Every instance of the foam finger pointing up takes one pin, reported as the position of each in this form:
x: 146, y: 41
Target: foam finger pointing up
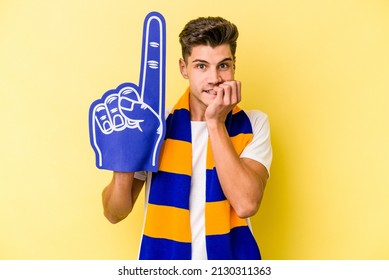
x: 152, y: 76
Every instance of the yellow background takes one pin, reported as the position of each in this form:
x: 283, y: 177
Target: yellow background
x: 319, y: 69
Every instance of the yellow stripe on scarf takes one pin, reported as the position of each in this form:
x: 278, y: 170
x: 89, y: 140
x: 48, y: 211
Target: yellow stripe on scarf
x: 174, y: 218
x: 177, y: 161
x: 217, y: 223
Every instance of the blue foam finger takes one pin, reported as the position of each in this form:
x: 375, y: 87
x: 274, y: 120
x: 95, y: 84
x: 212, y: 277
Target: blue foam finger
x: 127, y: 126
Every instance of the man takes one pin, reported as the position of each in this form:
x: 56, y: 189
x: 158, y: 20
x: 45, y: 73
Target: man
x: 214, y: 163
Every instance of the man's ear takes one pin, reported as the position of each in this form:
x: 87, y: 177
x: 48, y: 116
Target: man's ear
x: 182, y: 66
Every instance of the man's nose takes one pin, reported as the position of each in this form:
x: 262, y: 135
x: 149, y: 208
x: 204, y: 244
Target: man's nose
x: 214, y: 77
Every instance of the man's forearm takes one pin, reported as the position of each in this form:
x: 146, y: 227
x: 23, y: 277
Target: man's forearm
x: 117, y: 197
x: 240, y: 179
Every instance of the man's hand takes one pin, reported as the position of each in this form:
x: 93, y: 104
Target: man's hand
x: 127, y: 124
x: 228, y: 94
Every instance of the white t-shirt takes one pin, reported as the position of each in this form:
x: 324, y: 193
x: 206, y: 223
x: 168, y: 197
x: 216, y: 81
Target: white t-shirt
x: 259, y: 150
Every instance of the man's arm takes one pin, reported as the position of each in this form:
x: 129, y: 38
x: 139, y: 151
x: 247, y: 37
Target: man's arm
x: 120, y: 195
x: 243, y: 180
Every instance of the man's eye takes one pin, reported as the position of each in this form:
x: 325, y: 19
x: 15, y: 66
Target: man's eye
x: 201, y: 66
x: 224, y: 66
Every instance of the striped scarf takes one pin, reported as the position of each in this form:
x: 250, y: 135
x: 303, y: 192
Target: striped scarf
x: 167, y: 232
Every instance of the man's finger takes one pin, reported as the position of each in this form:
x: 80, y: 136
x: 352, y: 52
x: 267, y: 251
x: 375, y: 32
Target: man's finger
x: 219, y: 95
x: 152, y: 75
x: 239, y: 90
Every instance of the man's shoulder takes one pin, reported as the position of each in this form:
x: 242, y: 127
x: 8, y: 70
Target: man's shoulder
x: 256, y: 116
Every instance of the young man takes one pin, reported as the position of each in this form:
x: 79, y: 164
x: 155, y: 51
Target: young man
x: 214, y: 163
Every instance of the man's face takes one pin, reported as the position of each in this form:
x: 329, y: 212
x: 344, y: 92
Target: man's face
x: 206, y: 68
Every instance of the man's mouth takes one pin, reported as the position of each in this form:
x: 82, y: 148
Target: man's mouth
x: 210, y: 91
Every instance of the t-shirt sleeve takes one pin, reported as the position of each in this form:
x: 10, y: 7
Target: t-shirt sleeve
x: 260, y: 148
x: 140, y: 175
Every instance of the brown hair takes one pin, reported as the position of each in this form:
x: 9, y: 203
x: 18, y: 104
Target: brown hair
x: 211, y: 31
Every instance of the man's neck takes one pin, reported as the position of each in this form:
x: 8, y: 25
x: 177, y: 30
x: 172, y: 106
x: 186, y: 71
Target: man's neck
x: 197, y: 112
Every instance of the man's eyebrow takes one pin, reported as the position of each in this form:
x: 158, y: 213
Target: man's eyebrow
x: 200, y: 60
x: 204, y: 61
x: 227, y: 59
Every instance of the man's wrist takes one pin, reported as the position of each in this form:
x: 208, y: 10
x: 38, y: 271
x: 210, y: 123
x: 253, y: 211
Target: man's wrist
x: 215, y: 126
x: 123, y: 178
